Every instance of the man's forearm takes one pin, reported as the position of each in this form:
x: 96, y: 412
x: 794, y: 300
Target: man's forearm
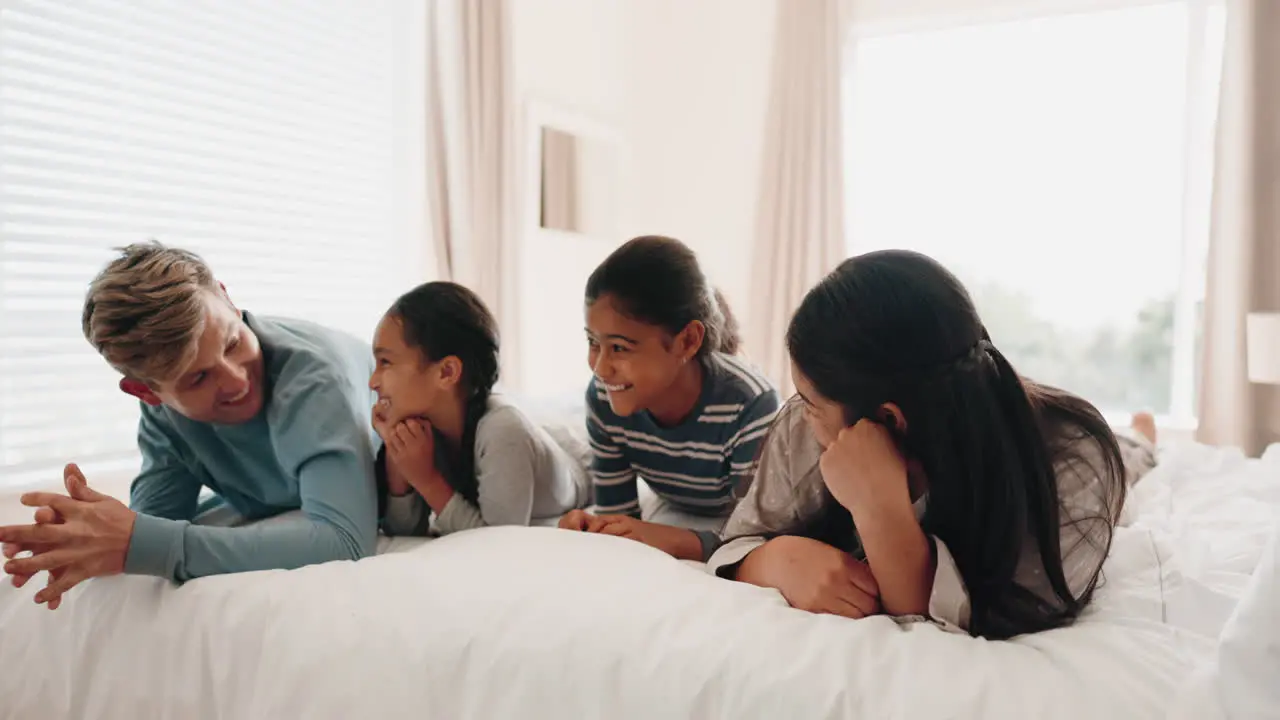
x: 180, y: 551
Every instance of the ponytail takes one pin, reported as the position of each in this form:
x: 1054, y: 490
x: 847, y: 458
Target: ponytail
x: 729, y: 341
x: 994, y: 487
x: 896, y: 327
x: 1002, y: 607
x: 1012, y: 396
x: 467, y: 484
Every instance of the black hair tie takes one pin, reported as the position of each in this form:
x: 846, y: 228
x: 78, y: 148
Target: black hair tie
x: 971, y: 355
x: 970, y: 358
x: 981, y: 348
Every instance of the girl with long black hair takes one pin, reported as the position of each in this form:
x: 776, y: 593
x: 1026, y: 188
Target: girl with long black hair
x: 917, y: 474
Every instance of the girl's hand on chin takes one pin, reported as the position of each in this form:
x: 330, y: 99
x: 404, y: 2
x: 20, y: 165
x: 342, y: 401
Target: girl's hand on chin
x: 864, y: 466
x: 411, y: 446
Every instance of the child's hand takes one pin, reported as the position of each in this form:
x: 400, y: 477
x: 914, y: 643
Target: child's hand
x: 864, y: 466
x: 677, y: 542
x: 411, y: 448
x: 625, y: 526
x: 813, y: 576
x: 582, y: 521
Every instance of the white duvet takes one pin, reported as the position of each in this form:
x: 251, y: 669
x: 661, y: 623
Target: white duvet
x: 542, y: 623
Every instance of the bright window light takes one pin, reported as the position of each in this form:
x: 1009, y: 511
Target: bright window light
x: 1057, y: 165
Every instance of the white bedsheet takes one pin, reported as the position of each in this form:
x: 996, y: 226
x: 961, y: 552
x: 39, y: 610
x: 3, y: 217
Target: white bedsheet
x: 534, y: 623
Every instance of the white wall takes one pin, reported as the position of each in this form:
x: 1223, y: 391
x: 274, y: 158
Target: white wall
x: 683, y: 85
x: 568, y: 54
x: 698, y: 75
x: 570, y: 51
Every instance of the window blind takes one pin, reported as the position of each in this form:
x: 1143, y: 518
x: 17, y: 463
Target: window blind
x: 270, y: 137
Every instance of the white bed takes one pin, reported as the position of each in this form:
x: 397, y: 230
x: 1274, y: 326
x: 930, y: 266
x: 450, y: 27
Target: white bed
x: 541, y: 623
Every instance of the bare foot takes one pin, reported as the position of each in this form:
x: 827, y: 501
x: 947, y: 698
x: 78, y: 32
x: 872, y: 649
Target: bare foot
x: 1145, y: 425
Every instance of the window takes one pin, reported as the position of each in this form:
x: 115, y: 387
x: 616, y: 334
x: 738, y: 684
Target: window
x: 276, y: 139
x: 1060, y: 166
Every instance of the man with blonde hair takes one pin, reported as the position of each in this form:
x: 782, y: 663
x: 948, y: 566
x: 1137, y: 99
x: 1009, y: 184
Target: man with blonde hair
x: 270, y: 414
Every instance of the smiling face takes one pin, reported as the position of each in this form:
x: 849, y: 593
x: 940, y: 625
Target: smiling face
x: 635, y: 362
x: 407, y: 383
x: 222, y: 381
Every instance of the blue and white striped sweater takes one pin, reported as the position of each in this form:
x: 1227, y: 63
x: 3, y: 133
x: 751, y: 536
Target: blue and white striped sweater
x: 701, y: 466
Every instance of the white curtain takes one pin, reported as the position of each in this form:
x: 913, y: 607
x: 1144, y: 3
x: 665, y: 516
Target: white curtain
x: 1244, y: 252
x: 471, y: 170
x: 800, y: 215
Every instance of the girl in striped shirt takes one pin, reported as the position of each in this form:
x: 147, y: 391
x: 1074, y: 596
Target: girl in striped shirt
x: 670, y: 403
